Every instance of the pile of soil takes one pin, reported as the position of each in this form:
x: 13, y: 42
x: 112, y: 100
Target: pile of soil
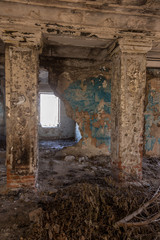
x: 89, y: 209
x: 80, y: 201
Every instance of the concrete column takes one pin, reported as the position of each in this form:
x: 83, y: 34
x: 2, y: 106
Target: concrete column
x: 128, y: 93
x: 21, y: 72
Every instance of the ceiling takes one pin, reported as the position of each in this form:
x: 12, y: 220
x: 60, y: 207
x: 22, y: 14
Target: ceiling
x: 84, y: 48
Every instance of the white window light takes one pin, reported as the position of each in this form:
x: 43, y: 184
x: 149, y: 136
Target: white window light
x: 49, y: 110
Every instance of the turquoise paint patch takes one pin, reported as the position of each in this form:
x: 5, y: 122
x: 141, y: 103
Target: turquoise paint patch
x: 150, y: 144
x: 152, y: 107
x: 153, y: 101
x: 106, y: 141
x: 88, y: 99
x: 107, y: 109
x: 85, y: 100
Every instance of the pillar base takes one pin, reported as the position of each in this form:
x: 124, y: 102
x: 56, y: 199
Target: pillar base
x: 20, y: 181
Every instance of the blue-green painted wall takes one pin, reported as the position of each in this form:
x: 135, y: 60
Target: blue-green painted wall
x: 152, y: 114
x: 90, y: 100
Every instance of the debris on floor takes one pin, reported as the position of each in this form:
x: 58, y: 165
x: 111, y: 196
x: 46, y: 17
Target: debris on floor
x: 79, y: 200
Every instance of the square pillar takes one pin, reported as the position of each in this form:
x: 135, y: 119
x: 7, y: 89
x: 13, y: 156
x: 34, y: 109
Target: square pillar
x: 21, y: 72
x: 127, y: 104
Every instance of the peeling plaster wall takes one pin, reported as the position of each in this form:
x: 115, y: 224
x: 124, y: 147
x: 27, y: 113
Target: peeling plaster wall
x: 86, y: 93
x: 90, y: 100
x: 152, y: 114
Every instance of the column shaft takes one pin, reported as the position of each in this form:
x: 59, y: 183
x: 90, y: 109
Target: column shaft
x: 128, y: 93
x: 21, y: 71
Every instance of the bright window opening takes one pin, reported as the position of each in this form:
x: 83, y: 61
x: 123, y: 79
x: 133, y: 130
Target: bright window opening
x: 49, y: 110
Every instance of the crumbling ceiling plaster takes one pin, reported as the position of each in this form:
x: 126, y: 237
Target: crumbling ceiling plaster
x: 79, y: 29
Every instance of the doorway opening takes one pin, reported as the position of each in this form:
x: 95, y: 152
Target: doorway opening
x: 55, y: 129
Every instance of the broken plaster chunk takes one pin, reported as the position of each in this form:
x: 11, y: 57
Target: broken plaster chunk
x: 69, y: 158
x: 60, y: 154
x: 21, y: 100
x: 83, y: 159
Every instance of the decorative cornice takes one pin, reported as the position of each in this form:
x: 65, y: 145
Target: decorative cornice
x: 82, y: 18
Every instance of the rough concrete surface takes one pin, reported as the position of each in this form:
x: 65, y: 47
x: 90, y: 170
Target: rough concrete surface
x: 128, y: 94
x: 21, y: 115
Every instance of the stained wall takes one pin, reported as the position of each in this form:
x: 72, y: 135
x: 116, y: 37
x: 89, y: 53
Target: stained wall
x: 152, y: 114
x: 87, y: 98
x: 90, y: 100
x: 90, y: 103
x: 86, y: 93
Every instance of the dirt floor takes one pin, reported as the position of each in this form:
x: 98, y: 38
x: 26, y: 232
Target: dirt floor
x: 78, y: 199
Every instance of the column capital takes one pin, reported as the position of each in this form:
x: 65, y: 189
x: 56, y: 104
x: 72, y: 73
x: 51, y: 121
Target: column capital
x: 131, y: 45
x: 22, y: 38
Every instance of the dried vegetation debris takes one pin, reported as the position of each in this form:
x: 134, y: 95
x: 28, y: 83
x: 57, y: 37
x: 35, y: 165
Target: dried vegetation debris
x: 85, y: 211
x: 87, y: 207
x: 88, y: 210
